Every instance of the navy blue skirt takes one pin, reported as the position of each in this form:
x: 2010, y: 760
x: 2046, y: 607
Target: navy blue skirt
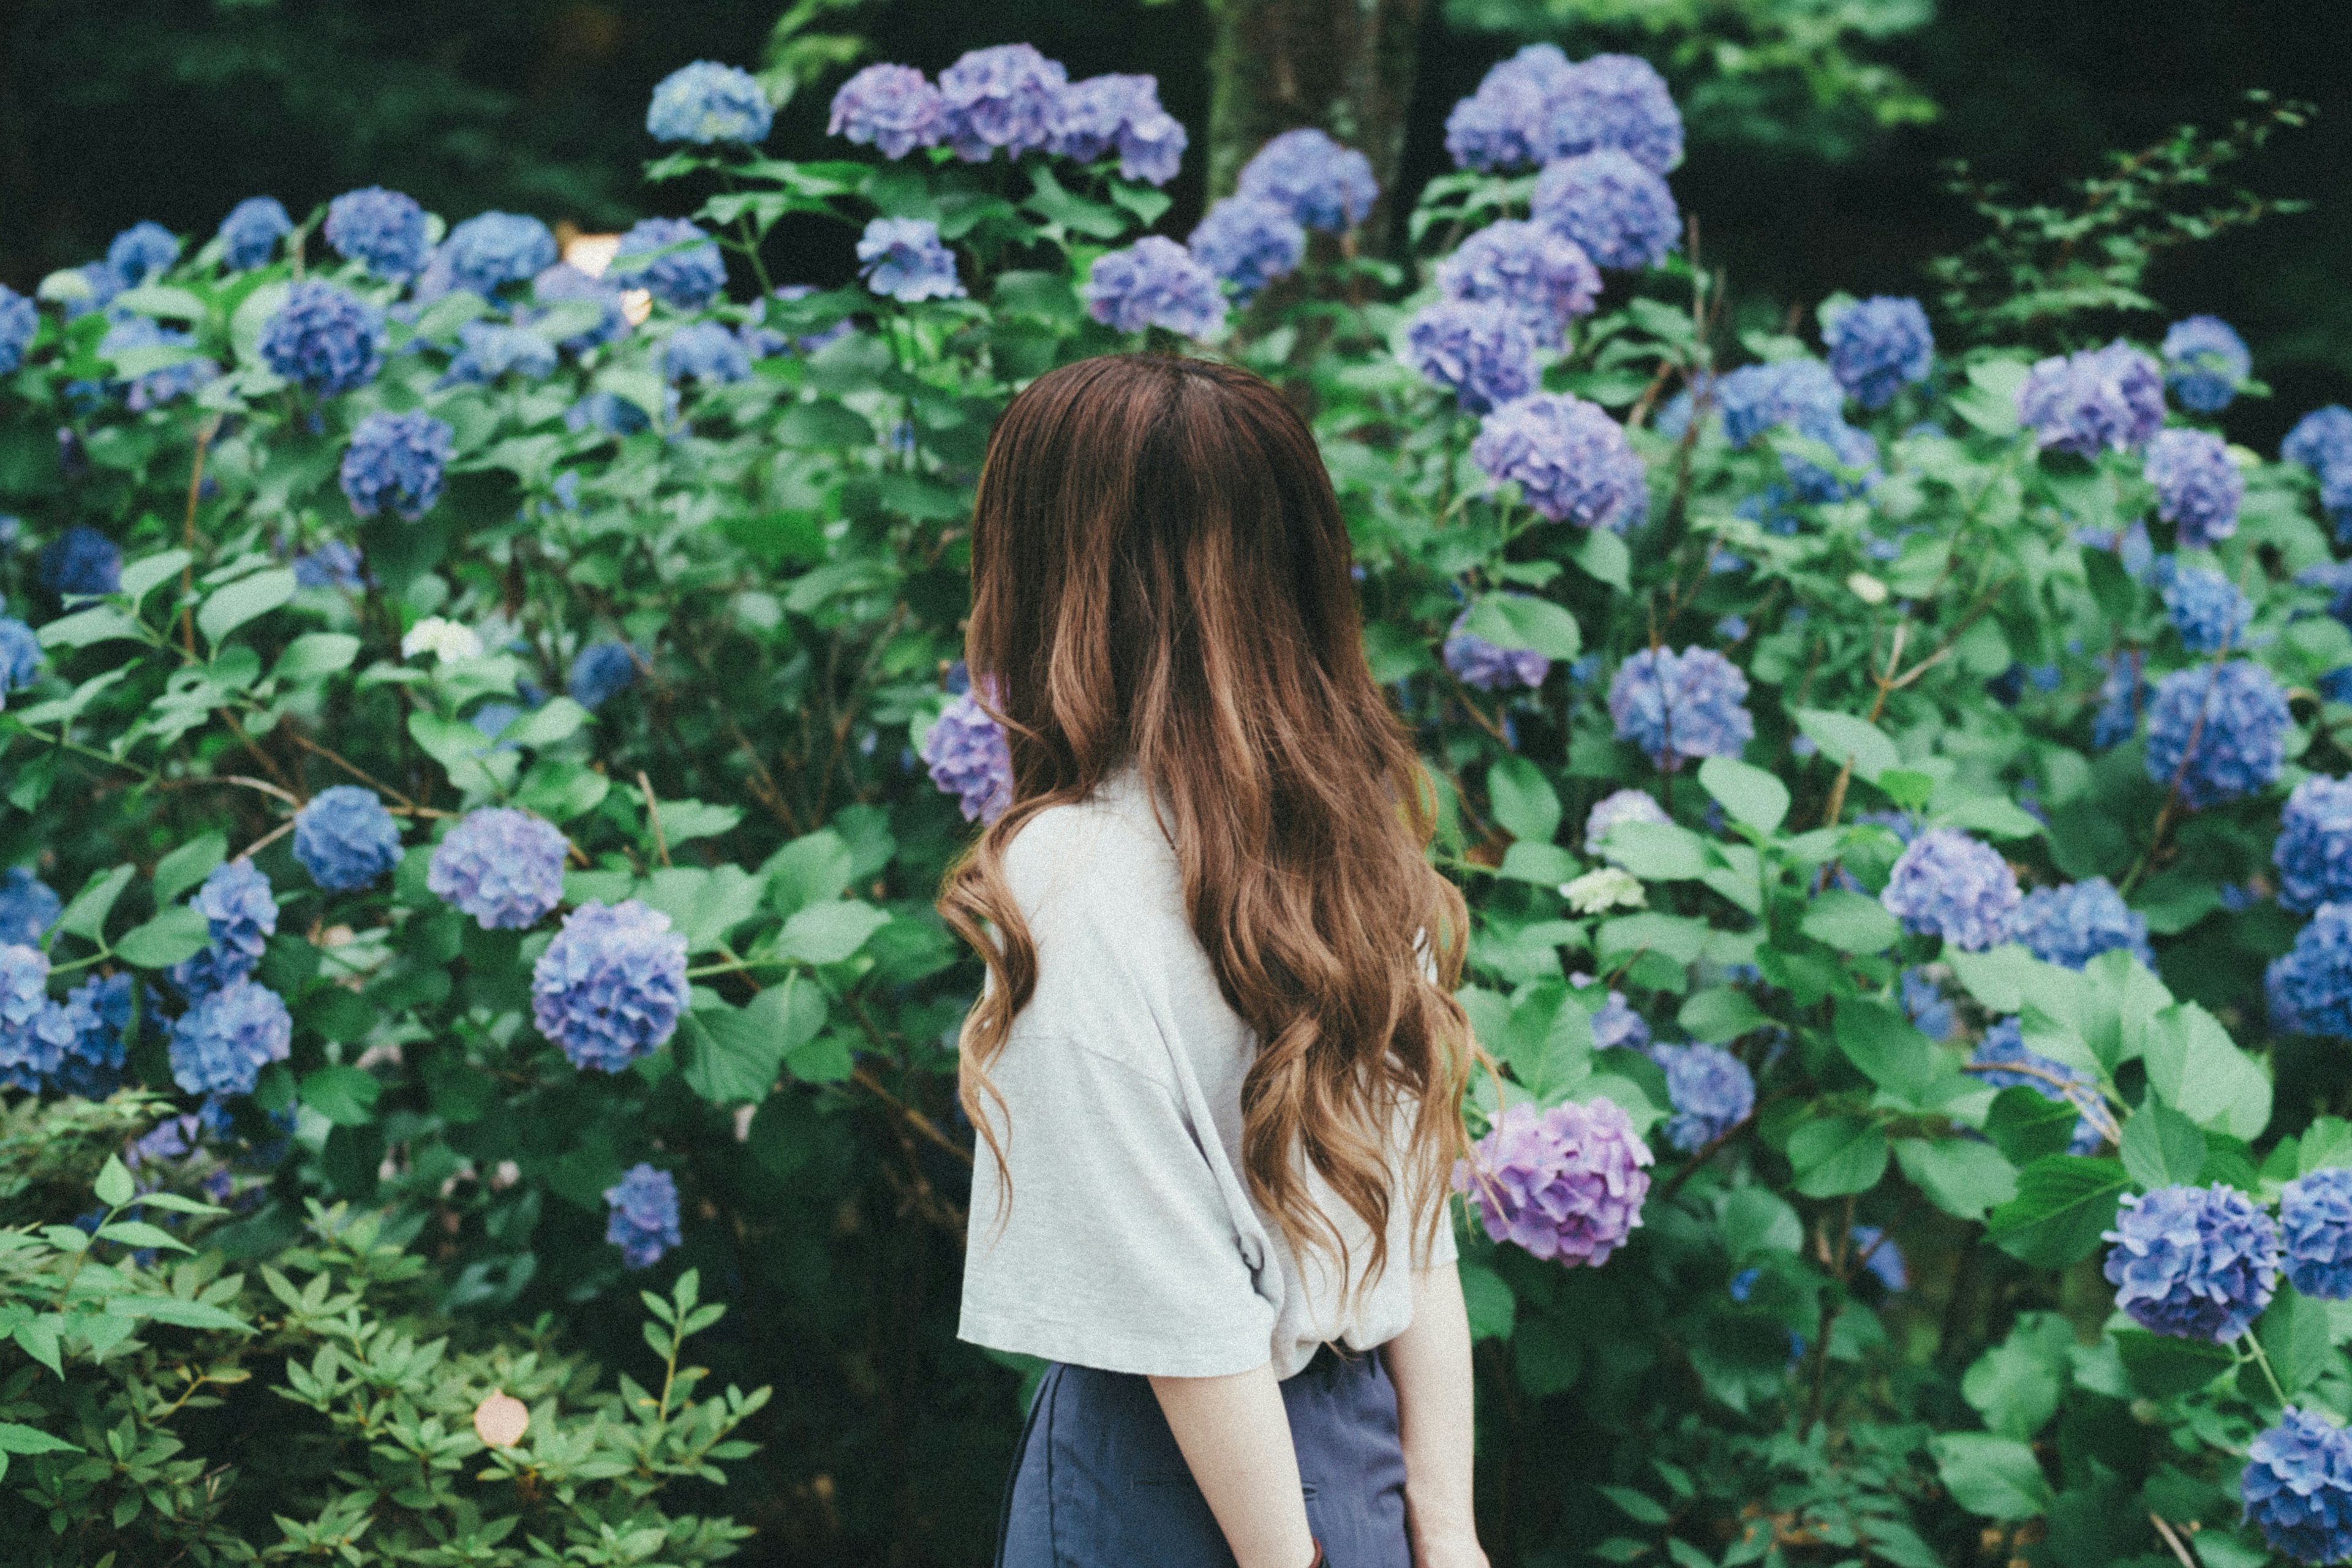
x: 1100, y: 1483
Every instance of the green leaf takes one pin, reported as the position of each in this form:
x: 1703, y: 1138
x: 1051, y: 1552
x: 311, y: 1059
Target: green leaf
x: 1637, y: 1506
x: 2001, y: 978
x: 1720, y: 1013
x: 2063, y: 1203
x: 2193, y: 1067
x: 825, y: 425
x: 731, y: 1058
x: 2294, y: 1330
x: 1523, y: 621
x: 244, y: 600
x: 1878, y: 1039
x: 1748, y: 794
x: 86, y: 628
x: 345, y: 1096
x: 552, y: 721
x: 1851, y: 923
x: 1658, y: 851
x: 2162, y: 1148
x: 1960, y: 1176
x: 1524, y: 802
x: 188, y: 865
x: 1838, y: 1154
x: 138, y: 1233
x: 178, y: 933
x: 686, y: 820
x: 1993, y: 817
x: 178, y: 1313
x: 1841, y: 736
x: 2025, y: 1124
x: 829, y: 932
x: 2161, y: 1365
x: 114, y: 1186
x: 1603, y: 556
x: 1990, y: 1476
x: 1546, y: 865
x: 810, y: 869
x: 140, y: 577
x: 37, y: 1337
x: 314, y: 655
x: 1675, y: 936
x: 86, y: 916
x: 1073, y: 213
x: 2016, y: 1385
x: 2325, y: 1143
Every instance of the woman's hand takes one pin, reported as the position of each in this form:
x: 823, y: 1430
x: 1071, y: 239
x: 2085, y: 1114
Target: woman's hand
x: 1458, y: 1549
x: 1430, y: 1364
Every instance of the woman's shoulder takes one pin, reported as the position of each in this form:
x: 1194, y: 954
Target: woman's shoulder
x: 1100, y: 854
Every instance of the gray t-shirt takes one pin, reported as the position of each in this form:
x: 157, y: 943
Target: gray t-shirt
x: 1131, y: 1243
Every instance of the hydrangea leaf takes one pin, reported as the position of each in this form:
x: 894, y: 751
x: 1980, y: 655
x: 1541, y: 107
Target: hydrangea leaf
x: 245, y: 599
x: 1546, y: 865
x: 140, y: 577
x: 86, y: 916
x: 729, y: 1057
x: 829, y: 932
x: 2325, y: 1143
x: 1677, y: 937
x: 1748, y: 794
x: 1841, y: 736
x: 1658, y: 852
x: 2016, y: 1385
x: 87, y: 628
x: 1523, y: 621
x: 1991, y: 1475
x: 1604, y: 557
x: 1838, y: 1154
x: 2193, y: 1067
x: 1523, y: 799
x: 178, y: 933
x: 1491, y: 1305
x: 2162, y: 1148
x: 315, y: 654
x: 188, y: 865
x: 345, y: 1095
x: 1719, y: 1014
x: 1960, y: 1176
x: 1758, y: 1220
x: 2063, y: 1202
x: 2161, y: 1365
x: 1850, y: 922
x: 1882, y: 1043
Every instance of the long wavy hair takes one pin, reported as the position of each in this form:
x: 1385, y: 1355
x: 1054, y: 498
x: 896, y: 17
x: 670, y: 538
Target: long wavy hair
x: 1161, y: 575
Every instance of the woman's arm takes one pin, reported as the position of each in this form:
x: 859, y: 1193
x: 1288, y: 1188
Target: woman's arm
x: 1430, y: 1363
x: 1236, y: 1437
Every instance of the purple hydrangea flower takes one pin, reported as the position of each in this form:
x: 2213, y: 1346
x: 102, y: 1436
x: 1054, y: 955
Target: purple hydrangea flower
x: 1615, y: 1025
x: 2074, y: 922
x: 1569, y: 459
x: 346, y: 838
x: 1537, y: 271
x: 489, y: 349
x: 1878, y: 345
x: 1104, y: 113
x: 2206, y: 608
x: 2198, y: 1263
x: 685, y: 279
x: 2314, y: 852
x: 564, y: 282
x: 706, y: 352
x: 610, y: 414
x: 20, y: 322
x: 81, y: 560
x: 383, y: 230
x: 643, y: 1219
x: 2197, y: 485
x: 902, y: 258
x: 1947, y: 884
x: 2297, y: 1487
x: 396, y: 460
x: 1507, y: 123
x: 968, y: 757
x: 1481, y: 352
x: 2310, y: 989
x: 600, y: 672
x: 504, y: 868
x: 29, y: 908
x: 706, y: 103
x: 2235, y: 719
x: 1479, y: 663
x: 326, y: 338
x: 892, y: 109
x: 251, y: 233
x: 492, y: 250
x: 1800, y: 395
x: 1712, y: 1092
x: 1622, y: 805
x: 1155, y: 282
x: 1679, y: 705
x: 1620, y: 212
x: 2204, y: 361
x: 1564, y: 1183
x: 1315, y: 180
x: 221, y: 1043
x: 610, y: 986
x: 1616, y: 102
x: 999, y: 96
x: 1249, y: 243
x: 2316, y: 1227
x: 2321, y: 440
x: 2097, y: 398
x: 142, y: 253
x: 156, y: 388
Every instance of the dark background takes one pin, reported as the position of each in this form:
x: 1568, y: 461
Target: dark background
x: 175, y: 109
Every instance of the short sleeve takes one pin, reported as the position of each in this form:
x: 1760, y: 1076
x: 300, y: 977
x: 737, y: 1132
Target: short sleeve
x: 1118, y: 1250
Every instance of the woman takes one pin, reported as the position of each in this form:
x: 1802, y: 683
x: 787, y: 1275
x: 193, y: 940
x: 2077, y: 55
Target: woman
x: 1216, y: 1067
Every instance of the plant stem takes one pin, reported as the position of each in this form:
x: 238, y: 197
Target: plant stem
x: 2264, y: 1361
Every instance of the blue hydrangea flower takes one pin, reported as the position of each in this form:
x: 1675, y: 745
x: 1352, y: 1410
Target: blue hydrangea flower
x: 1537, y: 271
x: 2119, y: 701
x: 600, y: 672
x: 2310, y: 989
x: 902, y: 258
x: 1507, y: 123
x: 1155, y: 282
x: 1622, y: 805
x: 1315, y: 180
x: 706, y: 352
x: 2198, y: 1263
x: 999, y: 96
x: 1249, y: 243
x: 1880, y: 1258
x: 1620, y: 212
x: 1616, y: 102
x: 2235, y: 716
x: 2097, y: 398
x: 684, y: 280
x: 397, y: 459
x: 91, y: 286
x: 1800, y: 395
x: 492, y: 250
x: 1856, y: 455
x: 1568, y: 457
x: 2197, y: 486
x: 1479, y: 663
x: 156, y: 388
x: 2206, y: 608
x: 967, y: 755
x: 20, y: 656
x: 1615, y: 1023
x: 382, y: 230
x: 2316, y: 1227
x: 332, y: 565
x: 251, y: 233
x: 221, y: 1042
x: 610, y: 986
x: 563, y: 282
x: 2314, y: 852
x: 1879, y: 345
x: 610, y: 414
x: 504, y: 868
x: 2074, y: 922
x: 81, y: 560
x: 99, y: 1012
x: 2297, y: 1487
x: 643, y: 1219
x: 2204, y: 361
x: 1923, y: 1001
x: 2321, y: 440
x: 1679, y: 705
x: 892, y: 109
x: 1712, y: 1092
x: 33, y: 1030
x: 489, y: 349
x: 29, y: 908
x: 326, y: 338
x: 241, y: 914
x: 20, y: 322
x: 706, y: 103
x: 1104, y: 113
x: 142, y: 253
x: 1947, y: 884
x: 1479, y: 351
x: 346, y: 838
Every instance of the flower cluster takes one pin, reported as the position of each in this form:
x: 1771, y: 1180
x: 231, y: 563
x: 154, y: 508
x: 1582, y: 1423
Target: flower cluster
x: 2003, y: 1060
x: 1569, y: 459
x: 1248, y: 243
x: 2198, y: 488
x: 1001, y: 97
x: 489, y: 349
x: 249, y: 234
x: 1477, y: 662
x: 672, y: 260
x: 156, y: 388
x: 706, y: 103
x: 2205, y: 608
x: 2322, y: 442
x: 2098, y: 398
x: 2205, y: 362
x: 1536, y: 106
x: 504, y: 868
x: 240, y: 916
x: 227, y: 1037
x: 1507, y: 124
x: 2076, y: 921
x: 1537, y: 271
x: 564, y: 282
x: 396, y: 460
x: 1014, y: 98
x: 488, y: 251
x: 2310, y: 989
x: 28, y: 907
x: 142, y: 253
x: 1620, y: 212
x: 2297, y: 1487
x: 892, y: 109
x: 1675, y: 706
x: 2198, y: 1263
x: 968, y: 756
x: 902, y: 258
x: 326, y: 338
x: 383, y: 231
x: 1564, y: 1183
x: 600, y: 672
x: 346, y: 838
x: 1879, y: 345
x: 2313, y: 851
x: 1947, y: 884
x: 705, y: 352
x: 1104, y: 114
x: 1320, y: 183
x: 1479, y: 351
x: 1711, y: 1089
x: 643, y: 1221
x: 81, y: 560
x: 2216, y: 732
x: 34, y: 1031
x: 610, y: 987
x: 2315, y: 1229
x: 1155, y: 282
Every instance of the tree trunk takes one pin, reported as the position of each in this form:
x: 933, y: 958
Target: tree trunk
x: 1343, y: 66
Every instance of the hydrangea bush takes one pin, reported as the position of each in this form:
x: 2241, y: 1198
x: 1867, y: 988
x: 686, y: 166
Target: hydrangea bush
x: 482, y: 736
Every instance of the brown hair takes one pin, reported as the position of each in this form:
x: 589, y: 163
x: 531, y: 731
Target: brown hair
x: 1161, y: 575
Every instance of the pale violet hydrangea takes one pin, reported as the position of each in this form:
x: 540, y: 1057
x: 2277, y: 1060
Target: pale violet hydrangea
x: 227, y: 1037
x: 382, y: 230
x: 2093, y: 400
x: 1155, y: 282
x: 902, y: 258
x: 706, y: 103
x: 396, y: 460
x: 968, y: 758
x: 142, y: 253
x: 1878, y: 346
x: 2074, y: 922
x: 2310, y: 989
x: 1479, y: 351
x: 2236, y: 719
x: 1800, y: 395
x: 1479, y: 663
x: 892, y: 109
x: 1537, y: 271
x: 33, y: 1030
x: 1564, y: 1183
x: 2198, y: 488
x: 1249, y: 243
x: 1507, y: 123
x: 1571, y: 460
x: 686, y: 271
x: 2321, y: 440
x: 1319, y: 182
x: 346, y: 838
x: 492, y: 250
x: 642, y: 1220
x: 503, y: 867
x: 1947, y: 884
x: 1675, y: 706
x: 325, y: 338
x: 2313, y: 851
x: 1620, y: 212
x: 2315, y: 1231
x: 1621, y: 805
x: 1118, y: 113
x: 705, y: 352
x: 2297, y: 1486
x: 2198, y: 1263
x: 1618, y: 103
x: 610, y: 987
x: 489, y: 349
x: 2205, y: 362
x: 2207, y: 609
x: 28, y: 907
x: 1711, y: 1089
x: 999, y: 97
x: 251, y: 233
